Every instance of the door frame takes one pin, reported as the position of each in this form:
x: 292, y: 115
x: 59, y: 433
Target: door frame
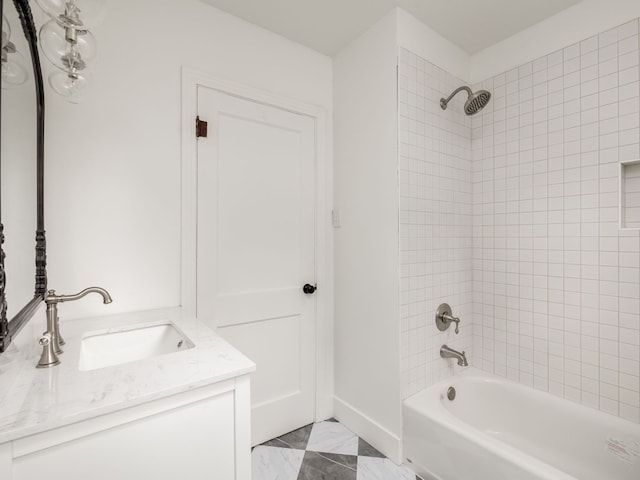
x: 191, y: 80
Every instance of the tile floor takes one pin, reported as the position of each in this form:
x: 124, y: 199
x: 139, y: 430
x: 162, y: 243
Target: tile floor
x: 323, y: 451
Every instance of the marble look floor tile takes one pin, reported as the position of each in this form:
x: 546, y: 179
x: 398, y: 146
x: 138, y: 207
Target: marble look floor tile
x: 298, y: 438
x: 271, y: 463
x: 328, y: 466
x: 332, y: 437
x: 371, y: 468
x: 367, y: 450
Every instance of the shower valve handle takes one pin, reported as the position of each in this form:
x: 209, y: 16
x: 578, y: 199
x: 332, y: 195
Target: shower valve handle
x: 450, y: 318
x: 444, y: 318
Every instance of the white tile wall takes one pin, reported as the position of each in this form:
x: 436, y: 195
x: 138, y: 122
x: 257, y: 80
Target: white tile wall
x: 513, y: 219
x: 435, y: 220
x: 630, y: 194
x: 556, y: 283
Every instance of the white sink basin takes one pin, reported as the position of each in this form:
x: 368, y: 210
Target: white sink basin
x: 105, y: 349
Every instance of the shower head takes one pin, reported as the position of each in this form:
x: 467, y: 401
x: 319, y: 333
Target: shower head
x: 475, y: 101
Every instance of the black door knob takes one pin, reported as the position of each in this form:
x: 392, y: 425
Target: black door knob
x: 309, y: 289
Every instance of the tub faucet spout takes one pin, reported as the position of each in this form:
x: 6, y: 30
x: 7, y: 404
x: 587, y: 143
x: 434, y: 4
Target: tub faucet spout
x: 446, y: 352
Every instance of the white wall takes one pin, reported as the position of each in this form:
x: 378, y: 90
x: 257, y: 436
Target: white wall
x: 113, y: 162
x: 435, y: 204
x: 556, y: 295
x: 572, y: 25
x: 352, y: 97
x: 367, y: 372
x: 416, y: 37
x: 556, y: 282
x: 367, y: 246
x: 435, y: 221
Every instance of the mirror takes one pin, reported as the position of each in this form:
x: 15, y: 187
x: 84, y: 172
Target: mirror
x: 23, y: 255
x: 18, y: 169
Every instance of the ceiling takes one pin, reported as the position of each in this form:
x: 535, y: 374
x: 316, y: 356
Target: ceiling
x: 328, y: 25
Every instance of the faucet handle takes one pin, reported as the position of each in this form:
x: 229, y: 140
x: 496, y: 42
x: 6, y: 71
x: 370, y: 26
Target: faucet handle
x: 450, y: 318
x: 48, y: 357
x: 45, y: 339
x: 444, y: 318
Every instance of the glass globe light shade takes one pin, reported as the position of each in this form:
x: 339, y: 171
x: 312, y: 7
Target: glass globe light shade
x: 71, y: 86
x: 14, y: 72
x: 6, y: 31
x: 91, y: 12
x: 67, y: 48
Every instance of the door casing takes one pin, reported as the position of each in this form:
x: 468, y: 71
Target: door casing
x: 191, y: 79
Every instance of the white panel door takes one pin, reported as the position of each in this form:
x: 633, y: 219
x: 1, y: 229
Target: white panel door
x: 256, y: 248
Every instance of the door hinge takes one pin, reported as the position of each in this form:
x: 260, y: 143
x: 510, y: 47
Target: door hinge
x: 201, y: 128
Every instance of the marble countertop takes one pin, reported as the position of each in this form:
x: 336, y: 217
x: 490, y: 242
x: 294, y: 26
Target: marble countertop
x: 36, y: 400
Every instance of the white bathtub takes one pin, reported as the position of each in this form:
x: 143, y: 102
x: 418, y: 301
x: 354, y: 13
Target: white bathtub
x: 499, y: 430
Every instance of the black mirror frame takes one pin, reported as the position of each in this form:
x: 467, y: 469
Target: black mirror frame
x: 9, y: 329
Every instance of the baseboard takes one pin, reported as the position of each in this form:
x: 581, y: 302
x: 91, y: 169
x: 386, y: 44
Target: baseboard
x: 379, y: 437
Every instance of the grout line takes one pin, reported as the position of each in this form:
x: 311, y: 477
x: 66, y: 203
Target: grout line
x: 287, y: 444
x: 335, y: 461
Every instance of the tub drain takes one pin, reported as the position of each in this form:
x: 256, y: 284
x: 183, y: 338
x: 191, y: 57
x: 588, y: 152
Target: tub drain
x: 451, y: 393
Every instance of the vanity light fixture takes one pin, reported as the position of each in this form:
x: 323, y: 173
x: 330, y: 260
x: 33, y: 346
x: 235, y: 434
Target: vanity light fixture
x: 14, y: 72
x: 68, y: 44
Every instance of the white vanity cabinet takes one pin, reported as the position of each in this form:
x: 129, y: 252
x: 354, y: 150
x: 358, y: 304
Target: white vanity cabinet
x: 202, y: 433
x: 167, y: 416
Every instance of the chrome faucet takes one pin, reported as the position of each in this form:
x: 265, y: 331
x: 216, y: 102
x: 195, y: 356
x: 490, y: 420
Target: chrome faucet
x: 51, y: 339
x: 446, y: 352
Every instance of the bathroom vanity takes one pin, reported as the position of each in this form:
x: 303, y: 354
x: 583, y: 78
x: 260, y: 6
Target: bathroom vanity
x: 177, y: 408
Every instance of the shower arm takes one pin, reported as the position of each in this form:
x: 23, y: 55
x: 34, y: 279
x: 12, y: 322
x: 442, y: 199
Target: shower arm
x: 443, y: 102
